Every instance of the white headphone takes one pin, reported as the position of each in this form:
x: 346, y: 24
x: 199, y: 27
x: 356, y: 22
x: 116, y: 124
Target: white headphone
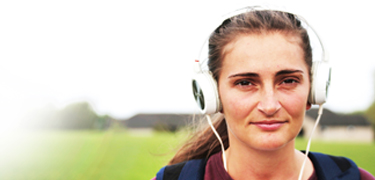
x: 205, y: 88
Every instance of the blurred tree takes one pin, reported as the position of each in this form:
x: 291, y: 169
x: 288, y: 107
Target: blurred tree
x: 74, y: 116
x: 77, y: 116
x: 103, y: 122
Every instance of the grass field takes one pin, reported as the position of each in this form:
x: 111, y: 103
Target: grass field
x: 111, y: 155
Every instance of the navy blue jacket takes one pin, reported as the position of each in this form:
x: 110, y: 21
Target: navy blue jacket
x: 326, y: 167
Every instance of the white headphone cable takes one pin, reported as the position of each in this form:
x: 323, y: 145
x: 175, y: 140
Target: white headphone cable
x: 221, y: 142
x: 320, y: 112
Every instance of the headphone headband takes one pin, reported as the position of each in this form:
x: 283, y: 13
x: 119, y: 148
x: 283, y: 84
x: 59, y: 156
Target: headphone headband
x: 309, y: 28
x: 203, y: 79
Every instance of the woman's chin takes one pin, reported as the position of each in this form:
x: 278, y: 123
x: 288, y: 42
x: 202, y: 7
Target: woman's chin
x: 271, y: 147
x: 273, y: 144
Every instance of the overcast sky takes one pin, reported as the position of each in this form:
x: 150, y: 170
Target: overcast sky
x: 126, y: 57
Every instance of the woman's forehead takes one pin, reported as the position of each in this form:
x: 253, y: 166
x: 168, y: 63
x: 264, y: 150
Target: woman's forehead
x: 257, y: 37
x: 264, y: 53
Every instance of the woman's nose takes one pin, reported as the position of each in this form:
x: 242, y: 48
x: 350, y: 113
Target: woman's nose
x: 269, y: 103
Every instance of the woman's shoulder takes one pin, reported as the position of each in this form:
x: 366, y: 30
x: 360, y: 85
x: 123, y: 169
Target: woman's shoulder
x: 324, y: 165
x: 365, y: 175
x: 191, y: 169
x: 336, y: 166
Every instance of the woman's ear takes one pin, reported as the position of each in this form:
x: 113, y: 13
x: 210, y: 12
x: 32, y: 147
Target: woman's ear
x: 308, y: 106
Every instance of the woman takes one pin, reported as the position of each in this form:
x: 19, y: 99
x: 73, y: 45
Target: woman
x: 261, y: 61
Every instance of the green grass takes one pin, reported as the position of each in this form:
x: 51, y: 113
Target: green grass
x: 84, y: 155
x: 117, y: 155
x: 363, y: 154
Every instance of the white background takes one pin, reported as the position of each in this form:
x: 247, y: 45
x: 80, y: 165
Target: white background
x: 127, y: 57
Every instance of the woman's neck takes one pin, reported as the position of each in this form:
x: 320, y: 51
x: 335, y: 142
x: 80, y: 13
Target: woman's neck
x: 283, y: 163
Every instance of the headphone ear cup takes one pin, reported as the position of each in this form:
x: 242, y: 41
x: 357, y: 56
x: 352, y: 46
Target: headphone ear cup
x: 205, y: 93
x: 321, y: 78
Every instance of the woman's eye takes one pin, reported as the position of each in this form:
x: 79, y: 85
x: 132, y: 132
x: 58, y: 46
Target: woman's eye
x: 289, y: 81
x: 244, y: 83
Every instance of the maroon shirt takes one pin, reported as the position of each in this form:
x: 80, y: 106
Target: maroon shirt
x: 215, y: 170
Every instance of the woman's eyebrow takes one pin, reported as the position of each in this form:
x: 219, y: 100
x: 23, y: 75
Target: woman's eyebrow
x: 250, y: 74
x: 283, y: 72
x: 247, y: 74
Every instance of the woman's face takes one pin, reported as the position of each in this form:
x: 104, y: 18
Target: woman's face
x: 264, y: 86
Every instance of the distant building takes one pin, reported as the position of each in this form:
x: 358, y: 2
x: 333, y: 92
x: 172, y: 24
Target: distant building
x: 337, y: 127
x: 332, y: 126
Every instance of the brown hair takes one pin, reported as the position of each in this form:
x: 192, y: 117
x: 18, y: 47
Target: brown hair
x: 204, y: 143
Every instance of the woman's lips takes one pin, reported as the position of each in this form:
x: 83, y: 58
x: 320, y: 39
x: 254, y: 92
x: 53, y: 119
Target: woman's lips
x: 269, y: 125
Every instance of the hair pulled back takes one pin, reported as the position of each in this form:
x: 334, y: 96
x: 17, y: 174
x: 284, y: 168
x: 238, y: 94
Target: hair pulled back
x: 204, y: 143
x: 255, y: 22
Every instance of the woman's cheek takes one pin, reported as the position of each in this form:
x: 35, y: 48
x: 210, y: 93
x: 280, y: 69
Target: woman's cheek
x: 295, y: 105
x: 239, y: 107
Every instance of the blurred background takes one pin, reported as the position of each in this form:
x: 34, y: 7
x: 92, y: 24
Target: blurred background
x: 73, y: 72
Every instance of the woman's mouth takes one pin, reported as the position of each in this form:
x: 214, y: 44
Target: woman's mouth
x: 268, y: 125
